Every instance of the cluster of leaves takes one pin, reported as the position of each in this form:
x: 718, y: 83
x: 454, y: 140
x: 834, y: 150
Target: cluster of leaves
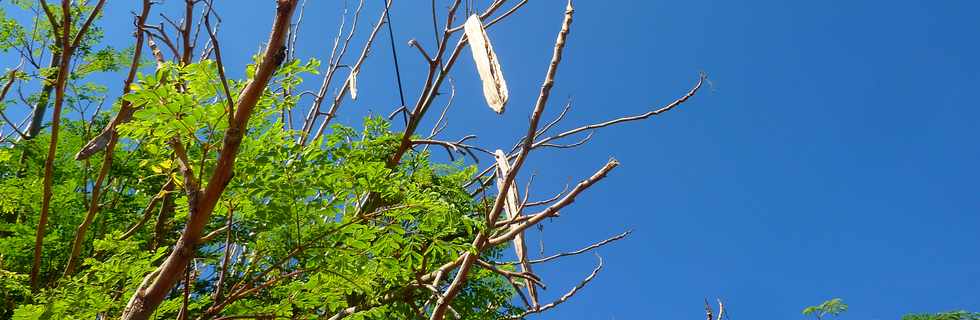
x: 833, y: 307
x: 21, y: 170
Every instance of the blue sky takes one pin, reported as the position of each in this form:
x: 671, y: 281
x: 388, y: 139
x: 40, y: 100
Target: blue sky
x: 833, y: 154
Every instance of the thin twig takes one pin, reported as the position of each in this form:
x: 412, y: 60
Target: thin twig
x: 579, y: 251
x: 219, y: 286
x: 557, y: 206
x: 3, y: 94
x: 148, y: 211
x: 220, y: 64
x: 566, y: 296
x: 641, y: 116
x: 345, y: 88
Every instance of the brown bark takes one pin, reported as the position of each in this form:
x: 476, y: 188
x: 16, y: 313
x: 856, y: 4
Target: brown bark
x: 110, y: 134
x: 59, y: 95
x: 68, y: 46
x: 158, y: 284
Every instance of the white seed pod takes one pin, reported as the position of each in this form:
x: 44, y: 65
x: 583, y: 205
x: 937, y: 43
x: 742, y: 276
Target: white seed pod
x: 353, y: 85
x: 494, y: 86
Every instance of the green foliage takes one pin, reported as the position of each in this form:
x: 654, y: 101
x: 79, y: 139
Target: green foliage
x: 952, y: 315
x: 11, y: 33
x: 833, y: 307
x: 836, y: 306
x: 297, y: 230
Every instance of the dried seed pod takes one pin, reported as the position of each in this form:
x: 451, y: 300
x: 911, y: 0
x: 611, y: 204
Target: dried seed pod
x: 353, y: 85
x: 494, y: 86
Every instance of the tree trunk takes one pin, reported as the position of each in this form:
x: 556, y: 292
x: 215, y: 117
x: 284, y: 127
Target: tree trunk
x: 41, y: 106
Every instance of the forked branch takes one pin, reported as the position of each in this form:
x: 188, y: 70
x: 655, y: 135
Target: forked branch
x: 157, y: 285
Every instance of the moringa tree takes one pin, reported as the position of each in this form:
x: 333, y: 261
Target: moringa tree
x: 202, y: 196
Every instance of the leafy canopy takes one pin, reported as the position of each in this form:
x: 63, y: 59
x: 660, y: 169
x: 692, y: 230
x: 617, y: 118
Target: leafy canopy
x: 296, y: 234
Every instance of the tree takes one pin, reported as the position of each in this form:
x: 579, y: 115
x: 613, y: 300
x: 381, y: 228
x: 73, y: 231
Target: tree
x: 256, y: 211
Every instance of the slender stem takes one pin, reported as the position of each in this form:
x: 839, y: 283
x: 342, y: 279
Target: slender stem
x: 113, y: 137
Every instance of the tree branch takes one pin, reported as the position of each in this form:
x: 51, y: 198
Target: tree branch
x: 148, y: 211
x: 554, y: 208
x: 566, y: 296
x: 480, y: 242
x: 154, y: 289
x: 579, y: 251
x: 3, y: 94
x: 641, y: 116
x: 345, y: 88
x: 67, y: 51
x: 109, y: 134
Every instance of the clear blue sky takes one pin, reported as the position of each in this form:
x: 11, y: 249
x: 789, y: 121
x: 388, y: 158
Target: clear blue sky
x: 834, y: 154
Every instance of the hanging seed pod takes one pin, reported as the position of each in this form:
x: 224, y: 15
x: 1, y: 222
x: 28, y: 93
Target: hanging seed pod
x: 513, y: 209
x: 353, y: 85
x: 494, y: 86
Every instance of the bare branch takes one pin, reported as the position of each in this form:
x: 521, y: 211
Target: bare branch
x: 417, y: 45
x: 219, y: 62
x: 334, y: 63
x: 707, y: 310
x: 442, y: 116
x: 225, y: 260
x: 529, y: 276
x: 508, y: 13
x: 546, y: 201
x: 437, y: 73
x: 106, y: 139
x: 538, y: 108
x: 566, y: 296
x: 554, y: 208
x: 567, y: 146
x: 489, y: 11
x: 214, y: 234
x: 546, y: 142
x: 482, y: 238
x: 579, y: 251
x: 564, y: 111
x: 295, y: 32
x: 3, y: 94
x: 721, y: 310
x: 162, y: 35
x: 457, y: 146
x: 126, y: 109
x: 67, y: 52
x: 347, y: 83
x: 641, y: 116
